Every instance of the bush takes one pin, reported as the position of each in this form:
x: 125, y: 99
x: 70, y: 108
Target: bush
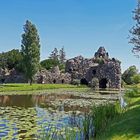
x: 132, y: 93
x: 95, y: 83
x: 123, y: 83
x: 100, y: 60
x: 128, y: 75
x: 136, y: 79
x: 75, y: 82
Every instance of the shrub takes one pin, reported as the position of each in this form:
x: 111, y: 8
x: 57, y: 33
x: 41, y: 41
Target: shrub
x: 95, y: 83
x: 132, y: 93
x: 75, y: 82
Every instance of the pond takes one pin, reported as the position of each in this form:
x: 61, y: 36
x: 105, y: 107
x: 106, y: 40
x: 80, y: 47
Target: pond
x: 27, y: 117
x: 37, y: 116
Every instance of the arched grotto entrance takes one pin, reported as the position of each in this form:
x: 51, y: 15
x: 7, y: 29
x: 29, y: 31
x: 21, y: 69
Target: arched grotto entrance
x: 103, y: 83
x: 83, y: 81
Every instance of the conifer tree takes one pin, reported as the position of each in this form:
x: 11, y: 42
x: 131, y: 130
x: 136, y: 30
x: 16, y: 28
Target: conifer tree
x: 62, y: 55
x: 54, y: 55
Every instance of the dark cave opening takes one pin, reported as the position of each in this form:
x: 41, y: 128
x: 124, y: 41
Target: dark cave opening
x: 103, y: 83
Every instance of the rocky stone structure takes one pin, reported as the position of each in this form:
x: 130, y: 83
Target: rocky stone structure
x: 106, y: 70
x: 53, y: 77
x: 11, y: 76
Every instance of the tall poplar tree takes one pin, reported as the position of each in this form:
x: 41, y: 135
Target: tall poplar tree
x: 135, y: 31
x: 30, y: 49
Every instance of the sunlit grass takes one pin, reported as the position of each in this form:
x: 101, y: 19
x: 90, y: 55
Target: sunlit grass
x: 127, y: 126
x: 33, y: 87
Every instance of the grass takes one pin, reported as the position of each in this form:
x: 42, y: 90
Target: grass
x: 127, y: 126
x: 36, y: 87
x: 133, y: 86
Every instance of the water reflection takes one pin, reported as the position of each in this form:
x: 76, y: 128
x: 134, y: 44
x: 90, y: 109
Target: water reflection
x: 27, y: 116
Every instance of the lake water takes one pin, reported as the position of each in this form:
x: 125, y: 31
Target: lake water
x: 29, y: 116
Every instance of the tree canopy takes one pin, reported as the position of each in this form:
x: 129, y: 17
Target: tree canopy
x: 135, y: 31
x: 30, y: 49
x: 130, y: 76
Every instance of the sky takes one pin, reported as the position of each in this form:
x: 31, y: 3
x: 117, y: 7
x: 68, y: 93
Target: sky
x: 81, y: 26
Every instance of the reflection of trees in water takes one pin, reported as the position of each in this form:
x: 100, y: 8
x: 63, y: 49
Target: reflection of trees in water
x: 16, y: 100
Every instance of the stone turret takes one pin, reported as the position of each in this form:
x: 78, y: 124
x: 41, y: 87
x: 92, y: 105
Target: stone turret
x: 101, y: 53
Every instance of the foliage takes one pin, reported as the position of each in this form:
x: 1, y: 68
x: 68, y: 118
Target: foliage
x: 11, y: 59
x: 62, y: 56
x: 75, y: 82
x: 123, y: 83
x: 54, y: 55
x: 102, y: 115
x: 95, y: 83
x: 136, y: 79
x: 49, y: 63
x: 30, y: 49
x: 126, y: 126
x: 135, y: 31
x: 128, y: 74
x: 133, y: 92
x: 100, y: 60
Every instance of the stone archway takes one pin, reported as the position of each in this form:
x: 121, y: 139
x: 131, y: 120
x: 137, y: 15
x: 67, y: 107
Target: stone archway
x: 54, y: 81
x: 63, y: 81
x: 83, y: 81
x: 103, y: 83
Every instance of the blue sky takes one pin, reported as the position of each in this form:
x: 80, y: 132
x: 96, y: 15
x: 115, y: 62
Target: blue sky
x: 81, y: 26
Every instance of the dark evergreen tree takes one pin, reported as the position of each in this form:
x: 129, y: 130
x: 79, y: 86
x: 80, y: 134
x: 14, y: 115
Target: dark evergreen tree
x: 30, y: 49
x: 135, y: 31
x: 62, y: 55
x: 54, y: 55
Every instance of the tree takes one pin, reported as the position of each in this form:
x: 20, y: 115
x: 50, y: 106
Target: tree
x: 30, y: 49
x: 54, y: 55
x: 135, y: 31
x: 136, y: 79
x: 128, y: 74
x: 11, y: 59
x: 62, y: 56
x: 49, y: 63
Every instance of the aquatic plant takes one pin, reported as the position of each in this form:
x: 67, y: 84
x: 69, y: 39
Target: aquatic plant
x: 102, y: 115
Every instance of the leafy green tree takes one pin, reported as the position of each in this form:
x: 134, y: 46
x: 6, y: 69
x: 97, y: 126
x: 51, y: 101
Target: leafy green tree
x: 49, y: 63
x: 30, y: 49
x: 135, y: 31
x: 128, y: 74
x: 136, y: 79
x: 11, y: 59
x: 3, y: 60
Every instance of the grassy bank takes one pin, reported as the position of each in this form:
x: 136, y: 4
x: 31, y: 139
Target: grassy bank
x: 38, y: 88
x: 133, y: 86
x: 127, y: 126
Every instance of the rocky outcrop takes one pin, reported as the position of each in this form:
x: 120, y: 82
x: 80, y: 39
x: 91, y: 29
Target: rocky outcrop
x: 106, y: 70
x: 53, y: 77
x: 11, y: 76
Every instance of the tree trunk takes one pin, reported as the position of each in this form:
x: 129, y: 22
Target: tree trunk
x: 31, y: 81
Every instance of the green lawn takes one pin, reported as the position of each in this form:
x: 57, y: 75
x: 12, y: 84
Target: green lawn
x: 132, y: 86
x: 36, y: 87
x: 127, y: 126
